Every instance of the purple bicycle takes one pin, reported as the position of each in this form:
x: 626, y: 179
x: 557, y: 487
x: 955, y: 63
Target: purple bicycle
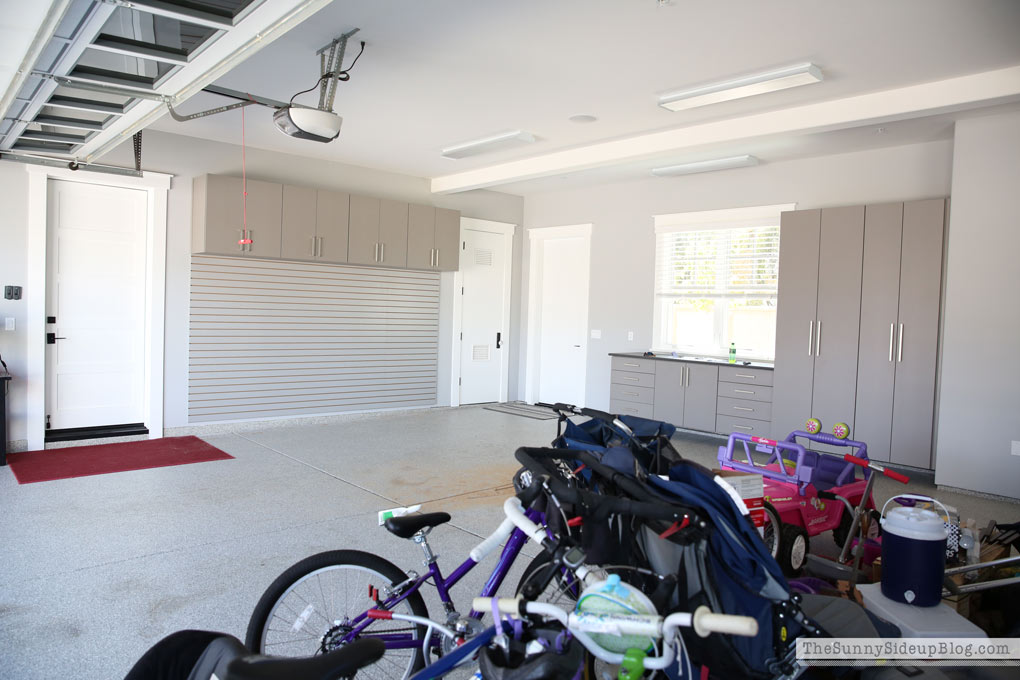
x: 322, y: 602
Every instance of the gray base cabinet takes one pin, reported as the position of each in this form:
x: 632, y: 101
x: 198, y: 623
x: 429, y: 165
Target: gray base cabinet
x: 685, y: 394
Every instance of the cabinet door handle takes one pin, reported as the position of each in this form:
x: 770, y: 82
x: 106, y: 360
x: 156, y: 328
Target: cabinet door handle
x: 382, y: 252
x: 891, y: 334
x: 634, y: 365
x: 629, y: 378
x: 742, y: 408
x: 630, y: 394
x: 312, y: 244
x: 810, y: 336
x: 744, y: 391
x: 744, y: 375
x: 437, y: 258
x: 687, y: 371
x: 743, y: 427
x: 899, y: 349
x: 251, y: 239
x: 818, y: 340
x: 432, y: 257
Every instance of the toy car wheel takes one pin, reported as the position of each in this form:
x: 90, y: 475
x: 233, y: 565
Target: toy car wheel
x: 772, y: 530
x: 813, y: 426
x: 840, y: 430
x: 793, y: 549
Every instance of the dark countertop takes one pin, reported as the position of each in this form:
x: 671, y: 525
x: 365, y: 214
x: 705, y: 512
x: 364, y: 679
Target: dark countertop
x: 695, y: 360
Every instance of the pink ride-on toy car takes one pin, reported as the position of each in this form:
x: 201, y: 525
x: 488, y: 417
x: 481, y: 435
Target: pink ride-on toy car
x: 806, y: 492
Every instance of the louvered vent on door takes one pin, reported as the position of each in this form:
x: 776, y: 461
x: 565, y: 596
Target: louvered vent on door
x: 270, y: 339
x: 480, y: 352
x: 483, y: 257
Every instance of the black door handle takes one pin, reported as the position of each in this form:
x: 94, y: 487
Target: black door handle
x: 498, y: 335
x: 51, y: 338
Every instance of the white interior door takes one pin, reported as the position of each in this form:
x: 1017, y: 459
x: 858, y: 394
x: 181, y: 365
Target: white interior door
x: 483, y: 275
x: 96, y: 293
x: 563, y: 320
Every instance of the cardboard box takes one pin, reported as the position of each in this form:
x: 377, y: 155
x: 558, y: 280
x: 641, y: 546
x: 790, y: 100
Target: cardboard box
x: 751, y: 489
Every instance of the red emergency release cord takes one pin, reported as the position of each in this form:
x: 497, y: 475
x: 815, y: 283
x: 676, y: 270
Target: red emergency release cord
x: 244, y: 188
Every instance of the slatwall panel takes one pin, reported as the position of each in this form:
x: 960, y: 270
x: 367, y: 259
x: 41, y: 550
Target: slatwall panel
x: 284, y: 339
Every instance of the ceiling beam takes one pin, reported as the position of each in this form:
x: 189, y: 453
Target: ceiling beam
x: 942, y: 96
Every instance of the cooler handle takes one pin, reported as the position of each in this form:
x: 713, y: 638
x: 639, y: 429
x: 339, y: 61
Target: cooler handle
x: 916, y: 497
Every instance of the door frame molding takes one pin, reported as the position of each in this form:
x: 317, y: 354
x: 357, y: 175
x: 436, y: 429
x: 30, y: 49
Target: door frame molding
x: 507, y: 231
x: 156, y: 185
x: 536, y: 253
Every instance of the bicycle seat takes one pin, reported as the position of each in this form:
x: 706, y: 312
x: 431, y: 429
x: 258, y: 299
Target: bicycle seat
x: 343, y: 662
x: 406, y: 527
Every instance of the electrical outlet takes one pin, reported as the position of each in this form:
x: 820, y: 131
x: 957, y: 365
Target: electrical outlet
x: 630, y: 335
x: 1015, y: 448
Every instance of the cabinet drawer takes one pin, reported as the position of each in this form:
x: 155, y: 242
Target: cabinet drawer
x: 745, y: 391
x: 749, y: 376
x: 629, y: 408
x: 643, y: 395
x: 635, y: 365
x: 743, y: 408
x: 725, y: 424
x: 633, y: 379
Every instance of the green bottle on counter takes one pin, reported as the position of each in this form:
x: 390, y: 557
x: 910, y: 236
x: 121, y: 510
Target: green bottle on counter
x: 733, y: 352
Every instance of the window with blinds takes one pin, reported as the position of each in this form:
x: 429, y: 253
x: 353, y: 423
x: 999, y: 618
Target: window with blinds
x: 716, y: 282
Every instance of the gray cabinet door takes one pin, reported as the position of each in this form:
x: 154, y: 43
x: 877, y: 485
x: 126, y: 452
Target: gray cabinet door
x: 265, y: 218
x: 700, y: 392
x: 876, y: 367
x: 840, y: 262
x: 920, y: 283
x: 218, y: 211
x: 669, y: 392
x: 393, y: 233
x: 298, y: 229
x: 421, y: 236
x: 363, y: 240
x: 447, y: 239
x: 795, y: 320
x: 332, y: 221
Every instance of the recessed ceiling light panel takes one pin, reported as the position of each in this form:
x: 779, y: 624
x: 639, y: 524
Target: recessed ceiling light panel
x: 488, y: 143
x: 706, y: 166
x: 744, y: 86
x: 582, y: 118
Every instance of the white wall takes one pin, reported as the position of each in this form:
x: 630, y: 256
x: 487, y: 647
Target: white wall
x: 14, y: 272
x: 980, y: 390
x: 185, y: 158
x: 623, y: 240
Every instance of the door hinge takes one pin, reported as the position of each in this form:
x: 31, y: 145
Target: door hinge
x: 460, y: 381
x: 462, y: 290
x: 461, y: 336
x: 463, y: 245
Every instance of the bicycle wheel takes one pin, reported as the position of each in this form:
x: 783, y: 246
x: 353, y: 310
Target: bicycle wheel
x: 307, y: 610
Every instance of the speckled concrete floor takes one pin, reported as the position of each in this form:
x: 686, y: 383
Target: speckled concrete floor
x: 95, y: 569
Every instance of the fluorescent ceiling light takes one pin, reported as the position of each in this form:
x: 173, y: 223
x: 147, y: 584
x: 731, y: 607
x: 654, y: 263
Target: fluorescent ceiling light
x: 486, y: 144
x: 744, y: 86
x: 706, y: 166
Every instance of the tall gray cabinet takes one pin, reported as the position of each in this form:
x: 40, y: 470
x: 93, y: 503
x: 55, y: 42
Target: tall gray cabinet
x: 899, y: 330
x: 820, y: 259
x: 857, y: 324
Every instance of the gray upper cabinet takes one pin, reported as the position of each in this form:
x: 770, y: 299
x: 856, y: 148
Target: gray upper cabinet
x: 378, y: 232
x: 218, y: 216
x: 393, y: 233
x: 332, y: 221
x: 433, y: 238
x: 899, y: 330
x: 363, y: 240
x: 298, y: 241
x: 421, y: 237
x: 799, y: 236
x: 447, y: 240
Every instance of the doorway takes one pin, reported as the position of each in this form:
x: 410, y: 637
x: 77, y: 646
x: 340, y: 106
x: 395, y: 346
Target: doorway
x: 153, y: 187
x: 558, y: 314
x: 485, y: 269
x: 95, y: 290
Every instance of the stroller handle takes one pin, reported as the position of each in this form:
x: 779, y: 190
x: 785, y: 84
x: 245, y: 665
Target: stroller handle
x: 604, y: 416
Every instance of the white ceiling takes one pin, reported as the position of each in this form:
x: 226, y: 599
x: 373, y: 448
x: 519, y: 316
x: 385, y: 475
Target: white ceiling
x: 445, y: 71
x: 19, y: 22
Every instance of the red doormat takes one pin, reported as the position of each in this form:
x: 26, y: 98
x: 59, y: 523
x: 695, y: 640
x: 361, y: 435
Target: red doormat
x: 101, y: 459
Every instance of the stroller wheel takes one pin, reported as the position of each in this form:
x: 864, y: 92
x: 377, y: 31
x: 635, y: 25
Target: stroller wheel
x: 793, y: 549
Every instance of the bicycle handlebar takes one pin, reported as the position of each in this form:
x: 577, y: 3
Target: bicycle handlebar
x: 891, y: 474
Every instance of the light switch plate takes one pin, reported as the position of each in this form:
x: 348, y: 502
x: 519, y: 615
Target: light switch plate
x: 9, y: 326
x: 596, y: 334
x: 630, y: 335
x: 1015, y: 448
